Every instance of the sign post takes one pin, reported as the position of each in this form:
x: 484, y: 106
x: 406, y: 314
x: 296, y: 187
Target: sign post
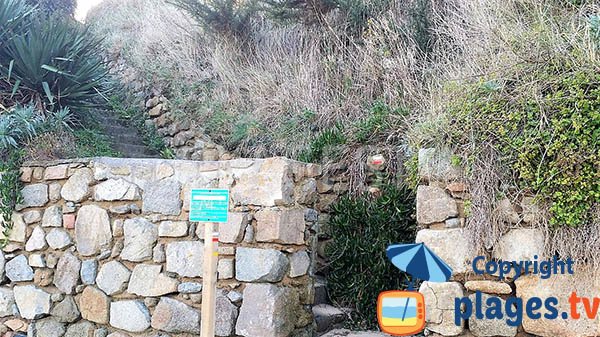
x: 209, y: 206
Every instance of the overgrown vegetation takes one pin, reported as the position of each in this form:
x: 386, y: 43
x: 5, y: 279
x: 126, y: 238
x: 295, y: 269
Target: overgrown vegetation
x: 362, y: 228
x: 50, y: 72
x: 550, y: 141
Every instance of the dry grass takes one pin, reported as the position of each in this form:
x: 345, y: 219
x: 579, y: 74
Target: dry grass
x: 506, y: 41
x: 274, y: 94
x: 156, y: 40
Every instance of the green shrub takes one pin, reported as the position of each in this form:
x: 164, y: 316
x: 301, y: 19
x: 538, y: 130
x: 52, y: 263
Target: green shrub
x: 550, y: 137
x: 220, y: 16
x: 17, y: 126
x: 323, y: 144
x: 56, y: 64
x: 362, y: 228
x: 91, y: 142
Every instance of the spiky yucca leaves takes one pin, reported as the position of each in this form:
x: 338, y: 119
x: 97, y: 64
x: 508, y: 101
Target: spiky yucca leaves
x: 55, y: 64
x: 13, y: 18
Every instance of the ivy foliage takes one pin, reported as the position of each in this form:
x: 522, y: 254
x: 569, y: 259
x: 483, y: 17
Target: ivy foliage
x: 548, y: 136
x: 362, y: 228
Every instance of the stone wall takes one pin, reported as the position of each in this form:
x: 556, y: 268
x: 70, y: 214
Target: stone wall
x: 103, y: 247
x: 188, y: 141
x: 442, y: 208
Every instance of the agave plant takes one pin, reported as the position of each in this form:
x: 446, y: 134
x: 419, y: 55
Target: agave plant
x: 17, y: 126
x: 55, y: 64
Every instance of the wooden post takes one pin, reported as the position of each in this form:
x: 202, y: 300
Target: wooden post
x: 209, y: 281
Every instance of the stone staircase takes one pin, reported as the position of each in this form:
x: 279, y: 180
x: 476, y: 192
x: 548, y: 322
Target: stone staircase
x: 125, y: 139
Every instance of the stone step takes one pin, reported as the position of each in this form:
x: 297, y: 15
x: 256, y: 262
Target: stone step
x: 127, y: 139
x: 136, y: 151
x: 328, y: 317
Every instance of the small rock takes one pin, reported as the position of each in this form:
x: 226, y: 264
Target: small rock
x: 299, y: 264
x: 89, y: 271
x: 54, y: 192
x: 92, y: 230
x: 18, y: 270
x: 80, y: 329
x: 189, y: 287
x: 7, y: 302
x: 260, y: 265
x: 140, y: 237
x: 76, y: 189
x: 267, y: 311
x: 175, y: 317
x: 52, y: 217
x: 173, y: 229
x: 37, y: 241
x: 43, y: 277
x: 131, y: 315
x: 58, y: 238
x: 235, y: 296
x: 185, y: 258
x: 490, y: 287
x: 113, y: 277
x: 35, y: 195
x: 37, y: 260
x: 66, y: 276
x: 434, y: 205
x: 66, y: 311
x: 162, y: 197
x: 94, y: 305
x: 32, y: 302
x: 32, y: 216
x: 146, y: 280
x: 116, y: 189
x: 47, y: 327
x: 225, y: 269
x: 56, y: 172
x: 158, y: 253
x: 226, y: 314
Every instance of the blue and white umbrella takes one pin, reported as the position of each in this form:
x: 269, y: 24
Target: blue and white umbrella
x: 419, y: 261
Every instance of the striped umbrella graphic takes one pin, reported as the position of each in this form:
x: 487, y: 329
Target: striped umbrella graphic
x: 419, y: 261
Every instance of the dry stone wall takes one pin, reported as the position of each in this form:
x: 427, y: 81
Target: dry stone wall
x: 442, y: 209
x: 188, y: 141
x: 102, y: 247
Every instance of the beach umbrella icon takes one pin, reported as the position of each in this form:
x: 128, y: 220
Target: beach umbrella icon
x: 419, y: 261
x: 402, y: 313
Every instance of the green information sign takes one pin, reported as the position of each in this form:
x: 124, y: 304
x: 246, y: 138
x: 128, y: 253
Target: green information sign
x: 209, y: 205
